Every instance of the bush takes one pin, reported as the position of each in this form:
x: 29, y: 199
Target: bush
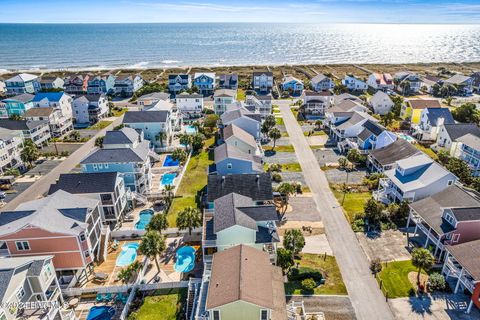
x: 375, y: 266
x: 358, y: 225
x: 308, y: 284
x: 436, y: 282
x: 274, y: 167
x: 276, y: 177
x: 302, y: 273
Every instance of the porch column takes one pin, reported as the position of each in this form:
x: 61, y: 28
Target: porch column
x: 408, y: 222
x: 415, y: 231
x: 457, y: 286
x: 426, y: 242
x: 436, y: 248
x: 470, y: 306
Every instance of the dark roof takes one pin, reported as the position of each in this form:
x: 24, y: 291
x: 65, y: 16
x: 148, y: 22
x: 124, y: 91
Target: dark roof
x: 458, y: 130
x: 78, y: 183
x: 398, y: 150
x: 38, y: 112
x: 123, y: 136
x: 266, y: 235
x: 468, y: 256
x: 91, y: 97
x: 145, y: 116
x: 228, y: 79
x: 270, y: 74
x: 423, y: 104
x: 373, y: 127
x: 24, y: 97
x: 19, y: 124
x: 467, y: 214
x: 256, y: 186
x: 113, y: 156
x: 5, y: 277
x: 173, y: 76
x: 435, y: 113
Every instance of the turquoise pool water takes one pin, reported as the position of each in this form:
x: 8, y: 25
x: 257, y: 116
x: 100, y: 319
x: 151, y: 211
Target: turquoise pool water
x: 128, y: 255
x: 168, y: 178
x: 190, y: 129
x: 145, y: 217
x: 406, y: 137
x: 101, y: 313
x: 169, y: 162
x: 185, y: 259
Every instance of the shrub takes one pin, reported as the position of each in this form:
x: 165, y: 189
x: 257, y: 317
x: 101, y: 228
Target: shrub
x: 274, y: 167
x: 358, y: 225
x: 375, y: 266
x: 436, y: 282
x: 276, y: 177
x: 302, y: 273
x: 308, y: 284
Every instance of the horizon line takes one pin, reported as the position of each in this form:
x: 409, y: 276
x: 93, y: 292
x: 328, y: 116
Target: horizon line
x: 254, y: 22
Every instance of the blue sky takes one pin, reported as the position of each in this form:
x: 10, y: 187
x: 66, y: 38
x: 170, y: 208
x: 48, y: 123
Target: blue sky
x: 314, y: 11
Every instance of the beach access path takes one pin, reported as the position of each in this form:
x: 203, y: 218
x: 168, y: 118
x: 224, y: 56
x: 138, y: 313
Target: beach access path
x: 365, y: 295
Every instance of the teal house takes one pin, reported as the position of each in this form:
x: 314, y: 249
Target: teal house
x: 16, y: 105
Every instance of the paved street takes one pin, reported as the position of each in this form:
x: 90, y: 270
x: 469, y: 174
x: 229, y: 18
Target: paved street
x: 367, y: 299
x: 42, y: 185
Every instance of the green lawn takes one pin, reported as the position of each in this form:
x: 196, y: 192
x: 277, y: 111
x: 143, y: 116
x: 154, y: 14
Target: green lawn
x: 286, y: 148
x: 241, y: 95
x: 315, y: 133
x: 279, y: 121
x: 428, y: 151
x: 118, y: 113
x: 276, y: 111
x: 394, y: 276
x: 318, y: 146
x: 288, y: 167
x: 99, y: 125
x: 285, y: 134
x: 329, y: 269
x: 162, y: 307
x: 354, y: 202
x: 194, y: 180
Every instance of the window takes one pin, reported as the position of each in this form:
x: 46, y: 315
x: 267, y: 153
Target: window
x: 82, y: 237
x: 264, y: 315
x: 22, y: 245
x: 455, y: 238
x: 87, y: 253
x: 216, y: 315
x: 450, y: 182
x: 229, y: 166
x: 95, y: 167
x: 20, y: 293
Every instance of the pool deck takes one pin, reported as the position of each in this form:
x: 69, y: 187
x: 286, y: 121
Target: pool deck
x: 81, y: 311
x: 109, y: 267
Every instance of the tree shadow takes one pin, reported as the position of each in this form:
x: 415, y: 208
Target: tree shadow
x: 420, y: 304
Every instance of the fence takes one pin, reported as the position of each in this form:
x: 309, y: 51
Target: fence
x: 70, y: 292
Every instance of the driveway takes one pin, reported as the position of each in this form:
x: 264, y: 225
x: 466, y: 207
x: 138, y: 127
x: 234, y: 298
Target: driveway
x: 390, y: 245
x: 334, y: 307
x: 367, y: 299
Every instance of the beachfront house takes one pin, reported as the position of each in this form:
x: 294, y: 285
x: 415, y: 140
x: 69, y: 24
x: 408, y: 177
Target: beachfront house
x: 77, y: 84
x: 243, y: 118
x: 242, y: 284
x: 413, y: 179
x: 37, y: 131
x: 428, y: 83
x: 16, y: 106
x: 222, y: 98
x: 101, y: 84
x: 155, y: 125
x: 106, y: 187
x: 205, y: 82
x: 231, y: 160
x: 22, y: 83
x: 449, y: 217
x: 124, y: 151
x: 260, y: 104
x: 315, y: 103
x: 449, y: 133
x: 412, y: 109
x: 383, y: 159
x: 126, y: 86
x: 381, y: 103
x: 65, y: 226
x: 257, y: 186
x: 292, y: 85
x: 476, y: 81
x: 29, y: 280
x: 228, y: 81
x: 407, y: 83
x: 61, y: 123
x: 463, y: 84
x: 241, y: 139
x: 90, y: 108
x: 353, y: 83
x: 189, y: 105
x: 321, y: 82
x: 51, y: 83
x: 179, y: 82
x: 3, y: 89
x: 262, y: 82
x: 431, y: 121
x: 237, y: 219
x: 380, y: 81
x: 10, y: 148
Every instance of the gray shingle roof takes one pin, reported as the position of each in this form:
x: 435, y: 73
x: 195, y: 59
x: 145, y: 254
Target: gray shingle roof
x: 123, y: 136
x: 137, y: 154
x: 145, y: 116
x: 233, y: 114
x: 400, y: 149
x: 233, y: 130
x: 470, y: 140
x: 468, y: 255
x: 78, y: 183
x: 467, y: 214
x: 256, y: 186
x: 20, y: 124
x: 436, y: 113
x: 458, y: 130
x: 24, y: 97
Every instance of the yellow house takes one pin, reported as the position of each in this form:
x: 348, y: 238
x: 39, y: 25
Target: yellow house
x: 412, y: 109
x: 245, y: 286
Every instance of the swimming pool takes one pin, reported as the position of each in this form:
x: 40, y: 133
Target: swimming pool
x: 406, y: 137
x: 168, y: 178
x: 128, y: 255
x: 101, y: 313
x: 145, y: 217
x: 190, y: 129
x: 169, y: 162
x: 185, y: 257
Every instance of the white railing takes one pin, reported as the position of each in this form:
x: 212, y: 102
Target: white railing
x: 209, y: 243
x: 162, y: 285
x: 71, y: 292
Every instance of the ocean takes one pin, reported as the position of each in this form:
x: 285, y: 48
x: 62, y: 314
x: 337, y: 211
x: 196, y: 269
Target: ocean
x: 91, y: 46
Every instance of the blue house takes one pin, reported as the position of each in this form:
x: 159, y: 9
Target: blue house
x: 155, y: 125
x: 293, y: 85
x: 231, y: 160
x: 16, y: 105
x: 124, y: 151
x: 179, y: 82
x: 374, y: 136
x: 205, y: 82
x: 22, y: 83
x: 470, y: 152
x: 101, y: 84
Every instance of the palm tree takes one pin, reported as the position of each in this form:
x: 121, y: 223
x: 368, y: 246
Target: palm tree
x: 125, y: 274
x: 29, y: 152
x: 186, y: 140
x: 158, y: 223
x: 423, y: 260
x: 168, y: 191
x: 160, y: 137
x: 274, y: 134
x: 286, y: 189
x: 189, y: 218
x: 152, y: 246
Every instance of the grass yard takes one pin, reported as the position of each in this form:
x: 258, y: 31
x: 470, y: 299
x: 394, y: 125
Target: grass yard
x: 317, y: 147
x: 314, y: 133
x: 118, y: 113
x: 428, y: 151
x: 194, y: 180
x: 99, y: 125
x: 288, y: 167
x: 279, y: 121
x: 241, y: 95
x: 162, y: 307
x: 285, y: 134
x: 394, y: 276
x: 287, y: 148
x: 354, y: 202
x: 329, y: 269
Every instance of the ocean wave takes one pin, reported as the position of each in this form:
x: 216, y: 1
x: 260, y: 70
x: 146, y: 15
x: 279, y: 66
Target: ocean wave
x: 170, y: 61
